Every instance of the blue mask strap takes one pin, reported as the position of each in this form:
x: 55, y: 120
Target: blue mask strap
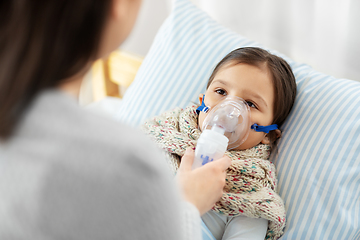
x: 265, y: 129
x: 202, y: 107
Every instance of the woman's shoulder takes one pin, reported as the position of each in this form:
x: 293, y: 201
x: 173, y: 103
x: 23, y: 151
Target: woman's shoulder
x: 55, y: 127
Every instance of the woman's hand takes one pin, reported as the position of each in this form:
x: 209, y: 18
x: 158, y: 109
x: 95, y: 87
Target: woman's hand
x: 203, y: 186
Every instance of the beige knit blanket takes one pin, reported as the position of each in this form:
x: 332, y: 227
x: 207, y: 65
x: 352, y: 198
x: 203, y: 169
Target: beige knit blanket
x: 251, y: 179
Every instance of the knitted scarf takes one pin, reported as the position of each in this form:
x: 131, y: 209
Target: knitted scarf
x: 250, y: 188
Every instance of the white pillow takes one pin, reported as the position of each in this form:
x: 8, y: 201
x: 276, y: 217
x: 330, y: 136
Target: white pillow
x: 318, y: 161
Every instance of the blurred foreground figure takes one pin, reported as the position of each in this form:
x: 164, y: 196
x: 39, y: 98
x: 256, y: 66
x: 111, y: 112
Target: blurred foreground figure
x: 69, y: 174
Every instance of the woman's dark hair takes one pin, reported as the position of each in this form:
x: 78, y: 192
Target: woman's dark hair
x: 282, y: 77
x: 43, y: 42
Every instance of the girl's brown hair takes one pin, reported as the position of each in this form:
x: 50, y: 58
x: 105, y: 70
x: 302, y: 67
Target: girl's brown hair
x: 43, y: 42
x: 282, y: 77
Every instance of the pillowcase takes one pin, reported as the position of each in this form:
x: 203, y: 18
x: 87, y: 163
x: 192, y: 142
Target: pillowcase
x: 318, y: 158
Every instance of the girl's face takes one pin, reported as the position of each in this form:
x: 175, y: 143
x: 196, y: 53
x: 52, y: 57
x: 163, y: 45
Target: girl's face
x: 251, y: 83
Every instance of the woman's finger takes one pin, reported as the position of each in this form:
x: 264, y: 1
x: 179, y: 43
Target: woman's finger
x: 223, y: 163
x: 187, y: 160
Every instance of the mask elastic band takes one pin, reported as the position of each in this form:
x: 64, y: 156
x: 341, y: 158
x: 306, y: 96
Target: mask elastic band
x: 265, y: 129
x: 202, y: 107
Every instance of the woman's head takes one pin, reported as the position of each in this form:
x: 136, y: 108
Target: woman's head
x: 265, y: 81
x: 43, y: 43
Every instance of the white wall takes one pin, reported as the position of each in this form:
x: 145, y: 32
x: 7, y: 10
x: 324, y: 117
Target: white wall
x: 322, y: 33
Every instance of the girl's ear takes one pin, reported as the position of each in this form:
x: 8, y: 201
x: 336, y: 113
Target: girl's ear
x: 201, y: 97
x: 266, y: 139
x: 278, y: 133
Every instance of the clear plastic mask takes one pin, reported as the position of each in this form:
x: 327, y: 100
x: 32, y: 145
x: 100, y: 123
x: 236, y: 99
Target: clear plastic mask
x: 232, y: 115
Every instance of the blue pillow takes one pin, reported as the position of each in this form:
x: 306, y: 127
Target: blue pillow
x: 318, y: 161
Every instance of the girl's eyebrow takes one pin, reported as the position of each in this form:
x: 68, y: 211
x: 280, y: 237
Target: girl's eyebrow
x: 220, y: 81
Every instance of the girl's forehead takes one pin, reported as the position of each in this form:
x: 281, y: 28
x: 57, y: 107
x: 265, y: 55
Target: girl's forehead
x: 263, y: 66
x: 244, y: 69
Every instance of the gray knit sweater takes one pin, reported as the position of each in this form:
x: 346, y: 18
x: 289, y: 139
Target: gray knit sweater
x: 69, y: 174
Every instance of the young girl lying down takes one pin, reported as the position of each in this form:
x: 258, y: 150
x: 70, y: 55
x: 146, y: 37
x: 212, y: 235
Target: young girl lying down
x: 250, y: 208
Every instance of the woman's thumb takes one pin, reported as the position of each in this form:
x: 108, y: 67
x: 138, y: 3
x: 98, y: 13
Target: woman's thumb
x: 187, y: 160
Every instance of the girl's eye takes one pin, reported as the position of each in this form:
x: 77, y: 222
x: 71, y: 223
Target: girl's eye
x: 221, y: 92
x: 251, y: 104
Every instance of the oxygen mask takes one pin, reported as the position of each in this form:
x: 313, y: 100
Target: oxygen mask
x: 230, y: 117
x: 226, y: 126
